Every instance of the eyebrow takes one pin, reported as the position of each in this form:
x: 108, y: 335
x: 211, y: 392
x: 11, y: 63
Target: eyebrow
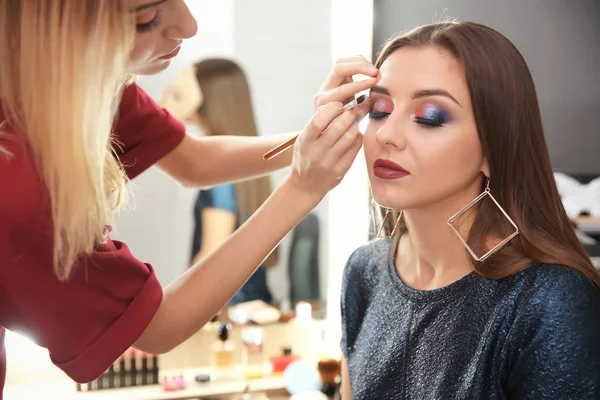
x: 419, y: 93
x: 149, y: 5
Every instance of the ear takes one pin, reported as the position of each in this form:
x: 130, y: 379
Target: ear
x: 485, y: 167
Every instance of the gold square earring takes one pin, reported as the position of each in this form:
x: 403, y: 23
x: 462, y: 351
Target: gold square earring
x: 388, y: 212
x: 456, y: 216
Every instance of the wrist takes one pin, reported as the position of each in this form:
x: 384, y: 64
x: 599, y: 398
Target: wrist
x: 301, y: 195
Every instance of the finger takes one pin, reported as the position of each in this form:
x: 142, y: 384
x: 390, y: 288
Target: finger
x: 345, y: 142
x: 337, y: 129
x: 342, y: 73
x: 346, y: 160
x: 321, y: 120
x: 355, y: 68
x: 357, y: 58
x: 345, y: 91
x: 360, y: 111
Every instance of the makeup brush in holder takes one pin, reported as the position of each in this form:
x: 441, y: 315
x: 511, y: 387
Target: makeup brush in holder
x: 329, y: 371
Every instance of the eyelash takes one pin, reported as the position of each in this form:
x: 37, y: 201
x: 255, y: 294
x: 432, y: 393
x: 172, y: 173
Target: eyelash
x: 148, y: 26
x: 428, y: 123
x: 377, y: 114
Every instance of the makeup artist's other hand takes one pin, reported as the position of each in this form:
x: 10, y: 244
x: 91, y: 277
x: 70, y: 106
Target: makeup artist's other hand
x: 184, y: 97
x: 325, y: 150
x: 340, y: 87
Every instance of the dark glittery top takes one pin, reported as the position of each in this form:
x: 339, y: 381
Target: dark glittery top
x: 532, y: 335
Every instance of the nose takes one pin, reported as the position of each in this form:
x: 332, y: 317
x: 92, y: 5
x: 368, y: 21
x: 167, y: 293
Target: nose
x: 391, y: 134
x: 186, y: 26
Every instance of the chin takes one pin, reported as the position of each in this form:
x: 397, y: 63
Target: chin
x: 153, y: 68
x: 387, y: 199
x: 396, y: 200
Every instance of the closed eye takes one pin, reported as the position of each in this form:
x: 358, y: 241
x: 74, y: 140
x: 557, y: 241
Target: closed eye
x: 378, y: 114
x: 148, y: 26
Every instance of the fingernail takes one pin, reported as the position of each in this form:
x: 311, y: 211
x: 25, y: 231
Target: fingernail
x: 373, y: 69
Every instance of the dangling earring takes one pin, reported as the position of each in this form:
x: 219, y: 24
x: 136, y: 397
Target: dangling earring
x: 388, y: 211
x: 456, y: 216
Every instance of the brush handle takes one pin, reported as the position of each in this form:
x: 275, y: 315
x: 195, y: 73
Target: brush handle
x: 289, y: 143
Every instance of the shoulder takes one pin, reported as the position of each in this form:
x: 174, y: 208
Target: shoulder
x: 144, y: 131
x: 222, y: 197
x: 556, y: 298
x: 22, y: 190
x: 558, y: 285
x: 367, y: 262
x: 553, y: 347
x: 226, y: 190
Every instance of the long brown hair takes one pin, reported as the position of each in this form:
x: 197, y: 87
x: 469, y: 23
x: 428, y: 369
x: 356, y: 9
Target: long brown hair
x: 227, y: 110
x: 509, y: 126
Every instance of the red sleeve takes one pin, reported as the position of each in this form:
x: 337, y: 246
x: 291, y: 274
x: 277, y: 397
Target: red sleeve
x: 87, y: 322
x: 144, y: 131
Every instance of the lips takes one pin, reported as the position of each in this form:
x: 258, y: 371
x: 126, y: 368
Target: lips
x: 172, y: 53
x: 387, y: 169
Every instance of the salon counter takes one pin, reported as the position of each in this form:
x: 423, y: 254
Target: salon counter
x: 273, y: 387
x: 189, y: 359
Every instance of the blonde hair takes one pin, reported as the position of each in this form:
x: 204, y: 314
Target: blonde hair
x: 227, y: 110
x: 61, y: 75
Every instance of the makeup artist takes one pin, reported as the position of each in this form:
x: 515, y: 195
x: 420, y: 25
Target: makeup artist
x: 63, y: 281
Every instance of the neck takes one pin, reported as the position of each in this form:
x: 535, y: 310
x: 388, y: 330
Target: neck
x: 430, y: 255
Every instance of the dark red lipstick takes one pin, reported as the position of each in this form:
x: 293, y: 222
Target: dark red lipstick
x: 387, y: 169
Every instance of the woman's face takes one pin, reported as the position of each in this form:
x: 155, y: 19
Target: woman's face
x: 421, y: 143
x: 161, y: 27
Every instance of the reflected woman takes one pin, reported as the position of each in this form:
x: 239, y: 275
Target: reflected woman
x: 218, y: 100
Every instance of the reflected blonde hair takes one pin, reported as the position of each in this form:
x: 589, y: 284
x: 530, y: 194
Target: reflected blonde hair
x: 61, y: 75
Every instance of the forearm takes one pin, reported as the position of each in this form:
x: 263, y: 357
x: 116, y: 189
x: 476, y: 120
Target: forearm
x: 225, y: 159
x: 195, y: 297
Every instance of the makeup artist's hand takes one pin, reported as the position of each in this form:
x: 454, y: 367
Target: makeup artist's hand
x: 184, y: 97
x: 326, y: 148
x: 339, y: 85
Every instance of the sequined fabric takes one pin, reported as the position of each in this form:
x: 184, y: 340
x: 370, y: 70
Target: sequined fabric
x: 532, y: 335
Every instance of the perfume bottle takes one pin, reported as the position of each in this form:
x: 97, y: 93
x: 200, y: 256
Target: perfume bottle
x: 223, y: 352
x: 253, y: 354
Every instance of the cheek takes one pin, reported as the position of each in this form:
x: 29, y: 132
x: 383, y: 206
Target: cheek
x: 143, y: 51
x: 449, y: 160
x: 370, y: 144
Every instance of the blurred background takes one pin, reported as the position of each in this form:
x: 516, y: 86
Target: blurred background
x: 286, y: 48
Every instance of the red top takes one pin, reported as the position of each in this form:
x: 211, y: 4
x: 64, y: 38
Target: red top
x: 87, y: 322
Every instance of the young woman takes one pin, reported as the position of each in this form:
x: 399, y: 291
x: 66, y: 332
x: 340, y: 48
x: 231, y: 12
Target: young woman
x: 514, y: 311
x: 218, y: 99
x: 70, y: 138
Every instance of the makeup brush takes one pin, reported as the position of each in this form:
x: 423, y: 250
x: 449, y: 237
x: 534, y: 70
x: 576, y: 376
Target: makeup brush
x: 286, y: 145
x: 329, y: 369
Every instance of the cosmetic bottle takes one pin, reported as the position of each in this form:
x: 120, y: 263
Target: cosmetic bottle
x: 144, y: 368
x: 223, y: 352
x: 281, y: 362
x: 122, y: 372
x: 253, y: 352
x: 154, y: 369
x: 133, y: 372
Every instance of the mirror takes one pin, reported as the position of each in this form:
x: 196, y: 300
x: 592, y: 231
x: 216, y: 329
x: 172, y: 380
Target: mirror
x: 286, y: 51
